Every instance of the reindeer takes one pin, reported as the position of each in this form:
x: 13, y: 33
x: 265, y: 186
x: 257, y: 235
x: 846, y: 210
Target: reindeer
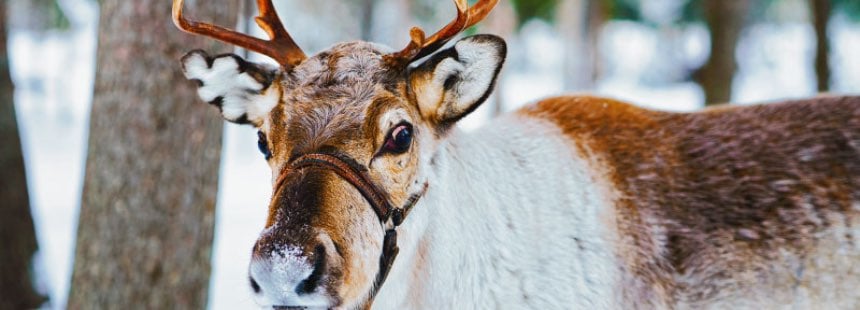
x: 573, y: 202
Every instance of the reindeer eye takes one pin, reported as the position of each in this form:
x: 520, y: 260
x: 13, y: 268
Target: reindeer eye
x: 399, y: 140
x: 263, y: 145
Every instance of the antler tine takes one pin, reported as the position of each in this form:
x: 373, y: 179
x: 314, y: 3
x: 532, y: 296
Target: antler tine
x: 280, y: 47
x: 281, y: 39
x: 420, y: 46
x: 479, y: 11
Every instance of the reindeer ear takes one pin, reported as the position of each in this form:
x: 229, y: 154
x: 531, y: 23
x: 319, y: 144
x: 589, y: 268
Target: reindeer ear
x: 454, y: 82
x: 244, y: 92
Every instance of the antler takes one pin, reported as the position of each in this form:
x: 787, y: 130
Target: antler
x: 421, y: 46
x: 281, y: 47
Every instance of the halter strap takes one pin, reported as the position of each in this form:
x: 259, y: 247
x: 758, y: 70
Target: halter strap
x: 356, y: 175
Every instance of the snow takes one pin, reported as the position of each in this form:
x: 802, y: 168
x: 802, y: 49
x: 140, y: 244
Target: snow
x: 773, y: 67
x: 243, y: 196
x: 844, y: 61
x: 54, y: 74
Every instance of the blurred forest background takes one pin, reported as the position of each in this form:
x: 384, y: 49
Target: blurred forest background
x: 136, y: 194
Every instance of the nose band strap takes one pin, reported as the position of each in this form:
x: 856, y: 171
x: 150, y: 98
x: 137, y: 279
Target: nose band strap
x: 348, y: 169
x: 356, y: 175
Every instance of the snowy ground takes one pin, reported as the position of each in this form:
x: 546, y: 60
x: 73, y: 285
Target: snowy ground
x: 54, y: 75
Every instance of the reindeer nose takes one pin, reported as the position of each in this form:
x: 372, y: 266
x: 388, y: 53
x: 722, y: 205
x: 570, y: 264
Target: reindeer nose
x: 309, y: 284
x: 290, y: 275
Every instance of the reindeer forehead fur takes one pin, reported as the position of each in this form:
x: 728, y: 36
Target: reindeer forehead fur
x: 345, y: 68
x: 328, y: 97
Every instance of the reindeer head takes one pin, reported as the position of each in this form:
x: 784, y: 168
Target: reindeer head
x: 348, y: 134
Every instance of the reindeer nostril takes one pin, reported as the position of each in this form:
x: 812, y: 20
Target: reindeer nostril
x: 310, y: 284
x: 254, y: 285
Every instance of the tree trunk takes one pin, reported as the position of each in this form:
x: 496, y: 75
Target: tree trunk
x: 820, y: 16
x: 147, y: 214
x: 16, y: 224
x: 502, y: 22
x: 244, y: 22
x: 725, y: 20
x: 366, y: 22
x: 579, y: 22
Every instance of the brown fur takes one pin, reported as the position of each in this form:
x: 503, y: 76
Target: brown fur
x: 733, y: 203
x: 726, y: 202
x: 750, y: 206
x: 333, y: 102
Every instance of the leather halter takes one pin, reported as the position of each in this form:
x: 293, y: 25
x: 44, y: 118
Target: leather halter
x: 357, y: 175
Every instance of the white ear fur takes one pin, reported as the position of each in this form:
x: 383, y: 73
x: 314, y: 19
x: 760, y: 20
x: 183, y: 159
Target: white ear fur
x: 454, y: 82
x: 244, y: 92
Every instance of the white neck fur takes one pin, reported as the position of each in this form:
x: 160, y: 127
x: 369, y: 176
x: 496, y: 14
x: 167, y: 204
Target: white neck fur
x: 510, y: 221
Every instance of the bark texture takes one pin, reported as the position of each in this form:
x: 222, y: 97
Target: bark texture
x: 579, y: 22
x: 17, y: 233
x: 147, y: 215
x: 366, y: 23
x: 820, y: 16
x: 725, y: 20
x: 502, y: 22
